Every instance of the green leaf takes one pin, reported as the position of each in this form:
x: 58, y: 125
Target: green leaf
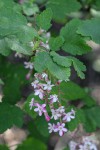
x: 56, y: 43
x: 71, y: 92
x: 14, y: 79
x: 32, y: 144
x: 42, y: 126
x: 97, y: 3
x: 29, y: 8
x: 9, y: 116
x: 14, y: 31
x: 92, y: 116
x: 41, y: 57
x: 3, y: 147
x: 4, y: 49
x: 15, y: 45
x: 68, y: 61
x: 79, y: 67
x: 32, y: 128
x: 74, y: 43
x: 61, y: 60
x: 61, y: 8
x: 10, y: 18
x: 26, y: 34
x: 59, y: 72
x: 91, y: 28
x: 43, y: 20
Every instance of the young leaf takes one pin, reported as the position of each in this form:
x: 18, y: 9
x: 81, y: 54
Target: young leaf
x: 9, y: 116
x: 43, y: 20
x: 56, y: 43
x: 90, y: 28
x: 61, y: 8
x: 74, y: 43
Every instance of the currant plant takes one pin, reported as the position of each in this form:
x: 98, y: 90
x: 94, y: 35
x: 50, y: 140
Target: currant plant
x: 32, y: 53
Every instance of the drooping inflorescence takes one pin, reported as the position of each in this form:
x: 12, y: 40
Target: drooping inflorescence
x: 56, y: 112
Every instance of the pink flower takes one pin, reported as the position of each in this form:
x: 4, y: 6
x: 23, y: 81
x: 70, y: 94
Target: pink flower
x: 44, y: 75
x: 55, y: 114
x: 72, y: 145
x: 28, y: 65
x: 48, y: 86
x: 18, y: 55
x: 47, y: 117
x: 39, y: 92
x: 45, y: 45
x: 36, y: 75
x: 35, y: 83
x: 60, y: 128
x: 51, y: 127
x: 69, y: 116
x: 40, y: 109
x: 61, y: 109
x: 53, y: 98
x: 28, y: 76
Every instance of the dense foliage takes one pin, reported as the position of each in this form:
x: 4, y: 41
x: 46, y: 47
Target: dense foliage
x: 27, y: 31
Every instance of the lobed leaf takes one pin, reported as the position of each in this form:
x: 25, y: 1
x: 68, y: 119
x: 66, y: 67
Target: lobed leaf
x: 79, y: 67
x: 90, y: 28
x: 61, y: 8
x: 74, y: 44
x: 43, y: 20
x: 68, y: 61
x: 56, y: 43
x: 59, y: 72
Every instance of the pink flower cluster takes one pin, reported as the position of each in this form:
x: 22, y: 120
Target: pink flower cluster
x: 85, y: 144
x: 42, y: 88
